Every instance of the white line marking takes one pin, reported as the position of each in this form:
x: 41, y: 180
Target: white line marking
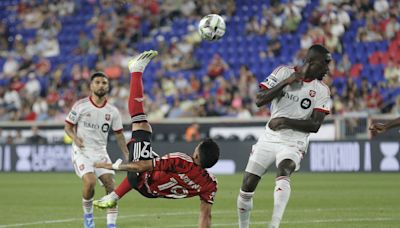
x: 134, y: 217
x: 302, y: 222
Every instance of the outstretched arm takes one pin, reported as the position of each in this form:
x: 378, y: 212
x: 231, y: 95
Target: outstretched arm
x: 310, y: 125
x: 138, y: 166
x: 205, y: 214
x: 122, y: 144
x: 381, y: 127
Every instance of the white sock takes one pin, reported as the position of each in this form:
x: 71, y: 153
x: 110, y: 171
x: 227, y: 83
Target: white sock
x: 244, y: 206
x: 112, y: 214
x: 281, y: 198
x: 114, y: 195
x: 87, y: 206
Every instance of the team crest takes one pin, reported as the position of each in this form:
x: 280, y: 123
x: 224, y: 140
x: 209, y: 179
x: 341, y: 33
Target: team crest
x: 312, y: 93
x: 81, y: 167
x: 108, y: 117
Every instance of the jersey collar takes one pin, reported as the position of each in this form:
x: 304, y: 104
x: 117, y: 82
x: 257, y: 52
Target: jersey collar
x: 97, y: 106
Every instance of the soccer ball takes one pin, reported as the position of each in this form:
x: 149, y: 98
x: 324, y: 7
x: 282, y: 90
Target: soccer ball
x: 212, y: 27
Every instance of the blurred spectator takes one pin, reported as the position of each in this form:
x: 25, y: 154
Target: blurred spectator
x: 217, y: 66
x: 36, y: 137
x: 396, y: 107
x: 192, y: 133
x: 11, y: 66
x: 374, y: 101
x: 392, y: 74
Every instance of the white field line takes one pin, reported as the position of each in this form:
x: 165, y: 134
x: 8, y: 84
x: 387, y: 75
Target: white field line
x: 312, y: 221
x: 215, y: 212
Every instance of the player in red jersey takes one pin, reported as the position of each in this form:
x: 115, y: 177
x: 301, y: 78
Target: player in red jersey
x: 175, y: 175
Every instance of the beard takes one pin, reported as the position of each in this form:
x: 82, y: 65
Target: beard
x: 100, y: 93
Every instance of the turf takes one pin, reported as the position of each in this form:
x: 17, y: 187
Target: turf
x: 317, y: 200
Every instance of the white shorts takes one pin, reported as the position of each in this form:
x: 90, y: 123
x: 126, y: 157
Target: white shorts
x: 264, y: 153
x: 84, y: 164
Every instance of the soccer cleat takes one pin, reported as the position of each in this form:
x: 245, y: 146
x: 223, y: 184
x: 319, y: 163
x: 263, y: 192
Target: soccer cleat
x: 88, y: 221
x: 139, y: 63
x: 105, y: 202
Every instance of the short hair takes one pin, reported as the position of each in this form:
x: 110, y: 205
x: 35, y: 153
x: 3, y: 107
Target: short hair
x: 98, y: 74
x: 209, y: 153
x: 318, y: 48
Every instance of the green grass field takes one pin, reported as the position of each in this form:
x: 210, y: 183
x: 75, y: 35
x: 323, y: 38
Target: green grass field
x: 317, y: 200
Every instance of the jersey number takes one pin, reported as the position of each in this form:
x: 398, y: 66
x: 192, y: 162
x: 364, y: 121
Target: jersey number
x: 142, y: 150
x: 177, y: 191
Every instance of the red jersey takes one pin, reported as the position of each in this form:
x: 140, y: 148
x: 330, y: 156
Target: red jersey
x: 176, y: 176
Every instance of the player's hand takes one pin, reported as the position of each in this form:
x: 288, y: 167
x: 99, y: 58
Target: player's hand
x: 277, y: 123
x: 299, y: 74
x: 79, y: 142
x: 103, y: 165
x: 377, y: 128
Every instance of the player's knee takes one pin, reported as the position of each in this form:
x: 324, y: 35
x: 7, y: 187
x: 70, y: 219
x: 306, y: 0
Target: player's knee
x: 286, y: 167
x: 245, y: 201
x: 250, y: 182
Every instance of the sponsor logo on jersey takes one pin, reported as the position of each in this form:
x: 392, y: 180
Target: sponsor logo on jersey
x: 105, y: 127
x: 72, y: 116
x: 312, y: 93
x: 90, y: 125
x: 305, y: 103
x: 290, y: 96
x: 108, y: 117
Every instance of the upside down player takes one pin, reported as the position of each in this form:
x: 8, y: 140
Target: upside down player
x: 175, y: 175
x: 300, y: 102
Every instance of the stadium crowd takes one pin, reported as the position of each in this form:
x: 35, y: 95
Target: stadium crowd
x: 36, y: 84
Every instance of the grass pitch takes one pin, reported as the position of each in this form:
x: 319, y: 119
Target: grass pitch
x: 317, y: 200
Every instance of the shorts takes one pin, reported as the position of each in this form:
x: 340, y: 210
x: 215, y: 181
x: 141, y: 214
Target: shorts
x: 84, y: 164
x: 265, y: 152
x: 139, y: 149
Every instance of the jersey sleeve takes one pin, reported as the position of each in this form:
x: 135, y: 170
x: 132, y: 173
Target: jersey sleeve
x: 73, y: 115
x: 208, y: 195
x: 117, y: 122
x: 279, y: 74
x: 323, y: 102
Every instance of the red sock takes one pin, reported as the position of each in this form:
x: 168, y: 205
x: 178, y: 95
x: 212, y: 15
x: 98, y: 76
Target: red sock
x: 123, y: 188
x: 135, y: 103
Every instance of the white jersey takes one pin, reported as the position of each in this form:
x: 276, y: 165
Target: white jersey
x: 93, y: 124
x: 298, y: 101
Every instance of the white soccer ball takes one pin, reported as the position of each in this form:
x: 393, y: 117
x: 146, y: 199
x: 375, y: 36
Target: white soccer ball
x: 212, y: 27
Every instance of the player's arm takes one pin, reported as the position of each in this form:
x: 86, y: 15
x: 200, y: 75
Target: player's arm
x: 137, y: 167
x: 205, y: 214
x: 382, y: 127
x: 265, y: 96
x: 70, y: 130
x: 270, y: 91
x: 122, y: 143
x: 310, y: 125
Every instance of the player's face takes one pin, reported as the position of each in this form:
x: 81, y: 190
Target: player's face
x: 319, y: 66
x: 99, y: 86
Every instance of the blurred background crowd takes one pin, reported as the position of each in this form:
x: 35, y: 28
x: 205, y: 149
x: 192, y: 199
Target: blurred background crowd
x: 49, y: 48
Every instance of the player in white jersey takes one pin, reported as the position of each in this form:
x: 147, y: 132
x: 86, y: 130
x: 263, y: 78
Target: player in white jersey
x: 88, y: 124
x: 299, y: 103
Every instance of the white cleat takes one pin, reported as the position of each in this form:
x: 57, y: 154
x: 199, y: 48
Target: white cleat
x: 139, y: 63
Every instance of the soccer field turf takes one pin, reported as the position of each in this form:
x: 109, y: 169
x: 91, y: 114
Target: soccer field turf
x: 317, y: 200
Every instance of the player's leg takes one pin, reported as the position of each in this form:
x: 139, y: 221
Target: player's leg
x: 288, y: 160
x: 85, y: 170
x: 112, y: 213
x: 139, y: 146
x: 260, y: 159
x: 141, y: 129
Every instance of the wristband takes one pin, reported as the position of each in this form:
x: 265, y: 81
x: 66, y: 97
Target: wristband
x: 116, y: 164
